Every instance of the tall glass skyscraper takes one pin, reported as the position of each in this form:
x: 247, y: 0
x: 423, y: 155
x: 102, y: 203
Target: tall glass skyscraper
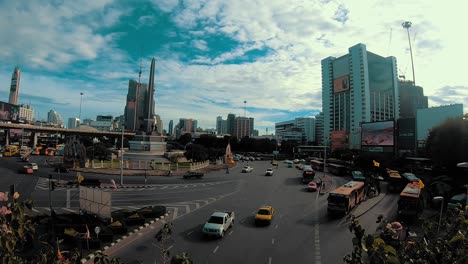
x: 15, y: 86
x: 357, y: 87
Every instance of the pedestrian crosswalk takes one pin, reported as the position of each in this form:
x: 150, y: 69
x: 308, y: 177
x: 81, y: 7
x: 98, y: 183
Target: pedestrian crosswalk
x: 178, y: 209
x: 43, y: 185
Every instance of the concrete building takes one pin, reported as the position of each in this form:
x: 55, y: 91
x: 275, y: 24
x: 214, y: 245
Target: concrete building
x: 411, y: 99
x: 118, y: 121
x: 87, y: 122
x: 428, y: 118
x: 301, y: 129
x: 186, y: 125
x: 255, y: 133
x: 221, y: 126
x: 26, y: 113
x: 244, y: 127
x: 357, y: 87
x: 231, y: 124
x: 107, y: 118
x: 158, y: 124
x: 54, y: 118
x: 319, y: 129
x: 15, y: 86
x: 135, y: 107
x: 171, y: 127
x: 73, y: 122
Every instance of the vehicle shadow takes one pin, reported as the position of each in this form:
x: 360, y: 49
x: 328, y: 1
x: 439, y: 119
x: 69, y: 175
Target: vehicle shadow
x: 293, y: 181
x: 195, y: 235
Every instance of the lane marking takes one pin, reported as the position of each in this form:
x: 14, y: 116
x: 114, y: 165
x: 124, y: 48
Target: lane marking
x: 169, y: 248
x: 189, y: 233
x: 216, y: 249
x: 273, y: 241
x: 269, y: 260
x: 276, y: 226
x: 69, y: 210
x: 175, y: 213
x: 37, y: 211
x: 230, y: 233
x: 133, y: 207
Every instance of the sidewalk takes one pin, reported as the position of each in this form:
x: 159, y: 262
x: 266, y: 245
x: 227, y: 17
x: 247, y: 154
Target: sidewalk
x: 368, y: 204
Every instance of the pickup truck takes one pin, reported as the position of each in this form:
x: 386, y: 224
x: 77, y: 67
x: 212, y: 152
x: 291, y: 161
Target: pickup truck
x: 218, y: 224
x: 191, y: 174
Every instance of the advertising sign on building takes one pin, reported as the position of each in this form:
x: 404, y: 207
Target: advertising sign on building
x: 341, y: 84
x: 9, y: 112
x: 339, y: 139
x: 378, y: 134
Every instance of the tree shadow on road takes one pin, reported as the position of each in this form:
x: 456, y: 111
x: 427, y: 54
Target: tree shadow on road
x: 293, y: 181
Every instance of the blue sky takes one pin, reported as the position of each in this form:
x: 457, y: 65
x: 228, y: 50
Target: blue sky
x: 213, y: 55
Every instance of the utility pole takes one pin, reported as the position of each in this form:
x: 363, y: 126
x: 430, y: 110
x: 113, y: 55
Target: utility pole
x: 81, y: 101
x: 121, y: 155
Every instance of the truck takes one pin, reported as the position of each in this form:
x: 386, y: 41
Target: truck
x: 218, y: 224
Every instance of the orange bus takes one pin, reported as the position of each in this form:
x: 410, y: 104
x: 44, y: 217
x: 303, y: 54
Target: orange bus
x: 346, y: 197
x: 316, y: 165
x: 410, y: 203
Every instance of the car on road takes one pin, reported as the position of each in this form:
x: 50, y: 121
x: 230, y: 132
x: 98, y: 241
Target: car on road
x: 33, y: 166
x: 25, y: 170
x: 296, y: 161
x: 308, y: 175
x: 274, y: 163
x: 312, y: 187
x: 247, y: 169
x: 192, y: 174
x: 264, y: 215
x: 269, y: 172
x: 218, y: 224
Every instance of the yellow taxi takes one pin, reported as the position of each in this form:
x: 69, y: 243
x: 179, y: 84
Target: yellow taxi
x: 264, y: 215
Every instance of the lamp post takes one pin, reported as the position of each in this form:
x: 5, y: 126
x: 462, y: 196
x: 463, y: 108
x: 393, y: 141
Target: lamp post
x: 441, y: 199
x: 121, y: 155
x: 81, y: 101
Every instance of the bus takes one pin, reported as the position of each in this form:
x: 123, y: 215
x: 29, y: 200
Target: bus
x: 410, y: 203
x: 343, y: 199
x: 316, y: 165
x: 395, y: 181
x: 11, y: 151
x: 336, y: 169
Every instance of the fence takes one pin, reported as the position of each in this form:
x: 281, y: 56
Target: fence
x: 146, y: 165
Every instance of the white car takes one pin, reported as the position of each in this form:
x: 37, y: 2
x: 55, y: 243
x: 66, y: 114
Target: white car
x: 33, y: 166
x: 269, y: 172
x: 247, y: 169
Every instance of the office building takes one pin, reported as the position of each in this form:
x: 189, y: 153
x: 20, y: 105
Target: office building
x: 319, y: 129
x: 103, y: 125
x: 135, y: 107
x: 158, y: 124
x: 231, y: 124
x: 428, y: 118
x: 357, y: 87
x: 187, y: 125
x: 171, y: 127
x: 87, y: 122
x: 73, y: 122
x: 15, y: 86
x: 107, y: 118
x: 244, y: 127
x: 255, y: 133
x: 26, y: 113
x: 221, y: 126
x: 54, y: 118
x: 411, y: 99
x: 301, y: 129
x: 118, y: 121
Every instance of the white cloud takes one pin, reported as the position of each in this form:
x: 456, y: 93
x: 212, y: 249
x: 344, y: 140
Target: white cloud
x: 200, y: 44
x: 166, y: 5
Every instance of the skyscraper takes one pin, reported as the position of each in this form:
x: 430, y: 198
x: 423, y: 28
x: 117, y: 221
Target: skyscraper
x: 319, y: 128
x: 219, y: 122
x: 135, y: 107
x: 411, y: 99
x: 244, y: 127
x: 358, y: 87
x: 171, y: 127
x: 231, y: 124
x: 15, y: 86
x: 54, y: 118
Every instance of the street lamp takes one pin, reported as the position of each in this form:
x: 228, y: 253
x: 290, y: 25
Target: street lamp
x: 441, y: 199
x: 81, y: 101
x: 121, y: 155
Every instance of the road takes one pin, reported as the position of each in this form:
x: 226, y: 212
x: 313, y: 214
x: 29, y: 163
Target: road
x: 301, y: 231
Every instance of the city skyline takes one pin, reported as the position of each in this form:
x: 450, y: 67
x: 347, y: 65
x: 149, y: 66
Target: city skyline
x: 211, y: 57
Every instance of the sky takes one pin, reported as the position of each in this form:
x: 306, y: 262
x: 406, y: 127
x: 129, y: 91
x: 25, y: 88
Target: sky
x: 212, y: 55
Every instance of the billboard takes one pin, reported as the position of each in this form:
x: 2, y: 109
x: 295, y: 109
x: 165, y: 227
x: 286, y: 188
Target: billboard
x: 339, y: 139
x: 341, y: 84
x: 378, y: 134
x: 9, y: 112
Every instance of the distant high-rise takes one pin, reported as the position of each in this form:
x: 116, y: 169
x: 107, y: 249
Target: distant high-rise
x: 301, y: 129
x: 231, y: 124
x: 244, y: 127
x: 73, y: 122
x: 219, y: 121
x: 358, y: 87
x: 54, y: 118
x: 171, y: 127
x: 15, y: 86
x: 411, y: 99
x: 319, y: 129
x: 135, y: 107
x: 26, y: 112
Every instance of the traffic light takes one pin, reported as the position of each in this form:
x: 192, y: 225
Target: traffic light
x: 12, y: 190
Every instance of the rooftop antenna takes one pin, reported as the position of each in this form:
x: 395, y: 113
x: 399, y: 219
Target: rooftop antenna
x: 407, y: 25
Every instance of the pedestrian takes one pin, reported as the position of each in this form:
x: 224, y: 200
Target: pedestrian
x: 377, y: 183
x: 227, y: 170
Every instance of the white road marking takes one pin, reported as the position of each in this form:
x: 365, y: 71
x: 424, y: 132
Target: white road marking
x: 169, y: 248
x: 276, y: 226
x: 37, y: 211
x: 216, y: 249
x: 230, y: 233
x: 69, y: 210
x: 269, y: 260
x: 175, y: 213
x: 189, y: 233
x: 116, y: 208
x: 272, y: 241
x: 133, y: 207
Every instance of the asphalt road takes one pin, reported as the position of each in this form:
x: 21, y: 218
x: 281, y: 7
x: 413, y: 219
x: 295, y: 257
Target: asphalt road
x: 301, y: 231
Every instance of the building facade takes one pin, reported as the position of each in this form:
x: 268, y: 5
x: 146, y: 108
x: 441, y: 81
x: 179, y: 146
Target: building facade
x: 428, y: 118
x: 411, y: 99
x: 301, y: 129
x: 26, y: 113
x: 15, y: 86
x: 319, y: 129
x: 244, y: 127
x: 135, y: 106
x: 103, y: 125
x: 231, y: 124
x: 171, y: 127
x: 73, y: 122
x: 186, y: 125
x: 358, y: 87
x: 54, y: 118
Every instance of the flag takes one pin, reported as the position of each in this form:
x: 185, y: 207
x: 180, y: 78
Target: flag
x: 80, y: 177
x: 59, y: 254
x: 376, y: 164
x: 421, y: 184
x: 114, y: 186
x: 88, y: 235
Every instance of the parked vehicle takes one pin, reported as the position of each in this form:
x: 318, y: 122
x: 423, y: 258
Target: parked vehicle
x: 25, y: 170
x: 269, y: 172
x: 274, y: 163
x: 264, y: 215
x: 247, y: 169
x: 218, y: 224
x: 312, y: 187
x: 457, y: 201
x: 192, y: 174
x: 358, y: 176
x: 317, y: 165
x: 33, y: 166
x: 11, y: 151
x: 346, y: 197
x: 410, y: 203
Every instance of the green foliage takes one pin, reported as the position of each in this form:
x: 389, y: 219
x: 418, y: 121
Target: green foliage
x: 185, y: 139
x: 102, y: 258
x: 447, y: 247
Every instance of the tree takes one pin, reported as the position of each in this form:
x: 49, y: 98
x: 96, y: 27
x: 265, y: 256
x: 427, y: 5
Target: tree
x: 185, y: 139
x: 447, y: 247
x: 447, y: 144
x: 164, y: 238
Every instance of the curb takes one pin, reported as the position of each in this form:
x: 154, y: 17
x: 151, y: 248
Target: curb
x: 368, y: 209
x: 92, y: 255
x: 108, y: 187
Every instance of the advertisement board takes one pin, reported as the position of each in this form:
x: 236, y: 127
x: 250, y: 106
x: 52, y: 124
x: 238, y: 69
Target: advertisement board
x: 378, y: 133
x: 339, y: 139
x: 9, y: 112
x: 341, y: 84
